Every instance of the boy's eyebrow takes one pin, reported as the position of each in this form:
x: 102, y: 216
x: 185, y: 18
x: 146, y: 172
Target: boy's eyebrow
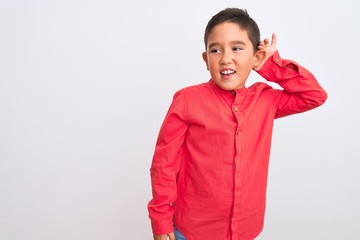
x: 238, y: 42
x: 233, y: 42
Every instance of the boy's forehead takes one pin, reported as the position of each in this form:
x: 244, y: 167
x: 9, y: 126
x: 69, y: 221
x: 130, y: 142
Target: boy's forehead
x: 228, y: 31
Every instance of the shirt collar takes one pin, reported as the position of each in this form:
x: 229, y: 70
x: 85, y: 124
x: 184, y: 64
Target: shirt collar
x: 240, y: 91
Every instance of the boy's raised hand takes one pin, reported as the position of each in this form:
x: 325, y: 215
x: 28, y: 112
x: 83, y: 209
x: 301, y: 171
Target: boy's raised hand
x: 267, y: 49
x: 165, y: 237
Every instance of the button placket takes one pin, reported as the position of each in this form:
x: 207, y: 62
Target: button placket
x: 238, y: 116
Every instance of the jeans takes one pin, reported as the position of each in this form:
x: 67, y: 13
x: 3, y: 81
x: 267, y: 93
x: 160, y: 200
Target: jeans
x: 178, y: 235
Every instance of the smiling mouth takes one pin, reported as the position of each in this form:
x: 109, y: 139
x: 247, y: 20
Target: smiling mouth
x: 227, y: 72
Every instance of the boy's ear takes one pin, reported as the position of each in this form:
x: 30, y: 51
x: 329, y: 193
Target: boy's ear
x: 204, y: 56
x: 259, y: 59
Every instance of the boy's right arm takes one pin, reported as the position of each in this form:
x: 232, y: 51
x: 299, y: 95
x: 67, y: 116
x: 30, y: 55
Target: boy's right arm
x: 165, y: 168
x: 301, y: 91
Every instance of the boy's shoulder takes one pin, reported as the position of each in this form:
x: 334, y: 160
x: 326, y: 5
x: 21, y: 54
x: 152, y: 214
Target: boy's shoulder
x: 259, y: 86
x: 195, y: 89
x: 263, y: 90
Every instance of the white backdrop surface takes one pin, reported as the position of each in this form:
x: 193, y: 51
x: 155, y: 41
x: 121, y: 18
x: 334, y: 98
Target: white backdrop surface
x: 85, y: 85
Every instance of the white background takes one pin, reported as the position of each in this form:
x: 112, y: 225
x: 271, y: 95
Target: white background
x: 85, y: 85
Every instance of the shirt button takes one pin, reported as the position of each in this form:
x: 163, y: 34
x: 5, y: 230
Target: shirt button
x: 276, y: 60
x: 236, y: 109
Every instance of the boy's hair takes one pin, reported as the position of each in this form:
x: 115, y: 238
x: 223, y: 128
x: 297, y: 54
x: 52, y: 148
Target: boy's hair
x: 238, y: 16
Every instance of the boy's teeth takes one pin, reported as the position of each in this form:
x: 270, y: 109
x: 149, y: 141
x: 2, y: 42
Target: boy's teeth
x: 228, y: 72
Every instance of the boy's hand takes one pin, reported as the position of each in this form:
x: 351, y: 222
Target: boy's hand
x: 266, y: 48
x: 165, y: 237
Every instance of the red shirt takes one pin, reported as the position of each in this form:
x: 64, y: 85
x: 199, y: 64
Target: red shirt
x: 210, y: 166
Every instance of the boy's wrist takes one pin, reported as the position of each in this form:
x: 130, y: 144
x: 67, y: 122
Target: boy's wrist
x: 274, y: 59
x: 267, y: 69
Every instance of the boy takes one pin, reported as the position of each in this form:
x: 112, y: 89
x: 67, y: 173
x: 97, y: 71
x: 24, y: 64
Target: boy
x: 210, y: 165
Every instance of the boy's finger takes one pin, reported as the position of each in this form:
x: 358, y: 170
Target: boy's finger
x: 172, y: 236
x: 273, y: 39
x: 266, y: 41
x: 261, y: 44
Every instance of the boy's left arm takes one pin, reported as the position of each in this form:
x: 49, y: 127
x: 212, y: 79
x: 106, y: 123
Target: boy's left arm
x: 301, y: 91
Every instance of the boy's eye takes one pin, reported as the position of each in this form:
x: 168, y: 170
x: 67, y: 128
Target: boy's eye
x: 237, y: 49
x: 215, y: 50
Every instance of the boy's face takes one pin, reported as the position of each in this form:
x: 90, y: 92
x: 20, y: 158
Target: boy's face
x: 229, y: 56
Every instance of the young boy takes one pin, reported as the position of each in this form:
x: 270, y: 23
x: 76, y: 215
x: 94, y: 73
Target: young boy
x: 210, y: 166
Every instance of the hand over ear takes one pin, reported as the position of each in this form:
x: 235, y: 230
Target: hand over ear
x: 264, y: 52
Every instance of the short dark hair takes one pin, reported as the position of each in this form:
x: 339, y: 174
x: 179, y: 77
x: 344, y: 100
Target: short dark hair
x: 238, y: 16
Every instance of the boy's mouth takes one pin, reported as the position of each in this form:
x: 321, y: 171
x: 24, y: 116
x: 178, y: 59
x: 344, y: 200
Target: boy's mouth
x: 227, y: 72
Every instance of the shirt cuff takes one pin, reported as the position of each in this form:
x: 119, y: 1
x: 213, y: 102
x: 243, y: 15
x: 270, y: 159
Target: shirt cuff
x: 162, y: 226
x: 276, y: 69
x: 269, y: 64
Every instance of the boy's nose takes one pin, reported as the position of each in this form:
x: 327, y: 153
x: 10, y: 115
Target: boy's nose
x: 225, y: 58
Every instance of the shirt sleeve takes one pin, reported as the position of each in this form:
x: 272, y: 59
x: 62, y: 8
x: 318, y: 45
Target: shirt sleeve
x: 165, y: 166
x: 301, y: 91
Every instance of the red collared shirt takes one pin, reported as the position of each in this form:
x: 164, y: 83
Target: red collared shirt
x: 210, y: 166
